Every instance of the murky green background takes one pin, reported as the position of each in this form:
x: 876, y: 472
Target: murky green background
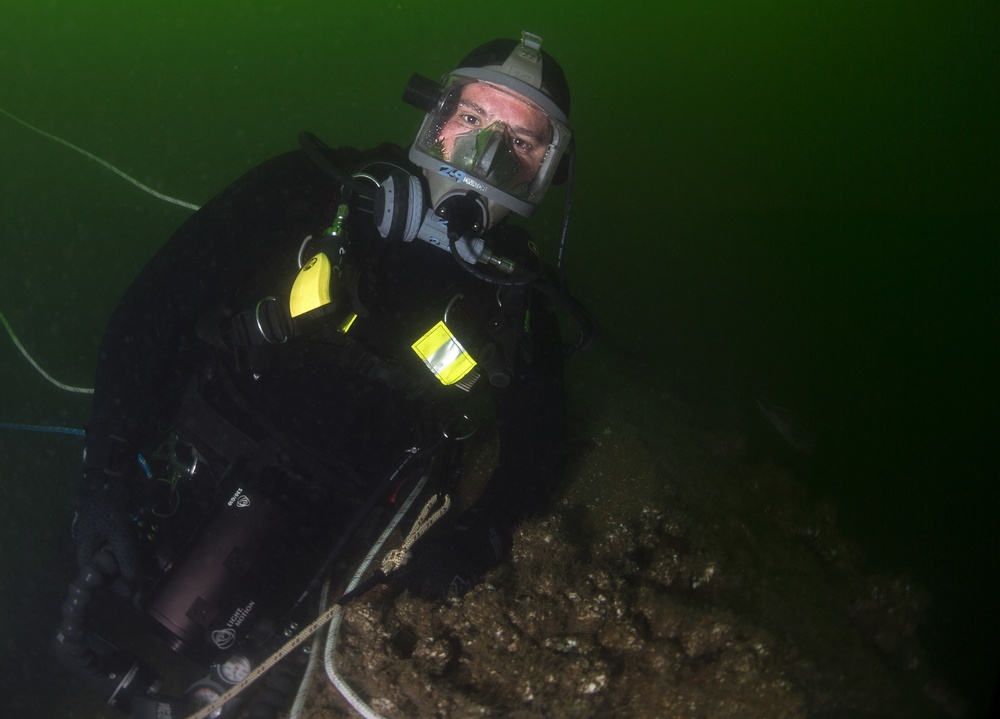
x: 791, y: 198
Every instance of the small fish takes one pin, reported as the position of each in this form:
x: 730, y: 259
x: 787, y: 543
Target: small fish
x: 791, y: 427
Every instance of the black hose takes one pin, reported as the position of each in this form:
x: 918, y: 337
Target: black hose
x: 319, y: 152
x: 359, y: 517
x: 567, y: 207
x: 563, y: 300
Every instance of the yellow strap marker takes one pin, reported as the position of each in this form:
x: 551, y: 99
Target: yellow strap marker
x: 312, y: 286
x: 443, y: 354
x: 346, y: 325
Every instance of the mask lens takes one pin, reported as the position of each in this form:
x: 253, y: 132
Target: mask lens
x: 489, y: 154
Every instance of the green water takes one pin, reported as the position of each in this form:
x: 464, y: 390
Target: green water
x: 799, y: 198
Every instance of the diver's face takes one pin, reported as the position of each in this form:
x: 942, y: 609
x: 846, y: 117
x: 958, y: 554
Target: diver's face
x: 481, y: 105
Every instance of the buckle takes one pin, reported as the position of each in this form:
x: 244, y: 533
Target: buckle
x: 108, y: 454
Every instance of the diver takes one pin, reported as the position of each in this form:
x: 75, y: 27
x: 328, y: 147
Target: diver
x: 313, y: 338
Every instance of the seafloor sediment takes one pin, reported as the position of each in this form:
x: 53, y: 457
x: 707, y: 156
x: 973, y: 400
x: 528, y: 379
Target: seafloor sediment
x: 681, y: 573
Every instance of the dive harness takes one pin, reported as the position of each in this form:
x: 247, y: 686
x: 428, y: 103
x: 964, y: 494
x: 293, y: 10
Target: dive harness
x: 324, y: 295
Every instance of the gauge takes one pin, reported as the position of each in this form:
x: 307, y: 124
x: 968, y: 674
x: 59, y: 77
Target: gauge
x: 203, y: 695
x: 235, y: 669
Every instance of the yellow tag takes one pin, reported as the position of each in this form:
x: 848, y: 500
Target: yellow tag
x: 312, y: 286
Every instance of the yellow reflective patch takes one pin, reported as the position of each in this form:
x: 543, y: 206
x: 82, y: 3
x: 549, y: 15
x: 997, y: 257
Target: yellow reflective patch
x: 347, y: 323
x: 312, y: 286
x: 443, y: 354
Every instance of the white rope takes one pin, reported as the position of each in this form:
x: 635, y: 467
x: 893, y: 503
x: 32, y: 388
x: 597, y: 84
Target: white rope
x: 38, y: 367
x: 423, y: 523
x: 103, y: 163
x: 128, y: 178
x: 298, y: 706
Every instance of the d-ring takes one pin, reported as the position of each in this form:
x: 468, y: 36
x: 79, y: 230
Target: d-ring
x: 469, y: 433
x: 260, y: 327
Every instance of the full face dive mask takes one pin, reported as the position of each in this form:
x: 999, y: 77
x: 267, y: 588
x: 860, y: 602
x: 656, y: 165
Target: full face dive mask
x: 494, y: 137
x: 511, y: 102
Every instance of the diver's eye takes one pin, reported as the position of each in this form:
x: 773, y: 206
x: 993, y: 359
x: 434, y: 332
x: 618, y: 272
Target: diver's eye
x: 522, y: 145
x: 470, y: 120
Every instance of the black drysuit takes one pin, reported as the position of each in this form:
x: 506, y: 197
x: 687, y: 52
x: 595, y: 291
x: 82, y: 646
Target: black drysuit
x: 354, y: 410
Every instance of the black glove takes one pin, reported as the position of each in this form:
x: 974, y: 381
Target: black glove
x: 103, y: 517
x: 453, y: 559
x: 103, y: 520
